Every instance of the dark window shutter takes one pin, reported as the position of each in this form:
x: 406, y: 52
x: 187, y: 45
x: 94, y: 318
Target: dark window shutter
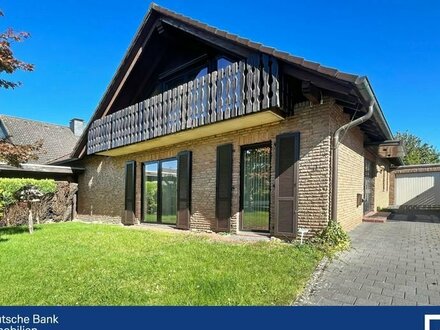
x: 223, y: 201
x: 130, y: 192
x: 286, y: 184
x: 183, y: 189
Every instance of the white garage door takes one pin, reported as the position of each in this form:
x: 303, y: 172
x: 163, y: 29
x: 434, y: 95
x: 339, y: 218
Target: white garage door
x: 418, y: 189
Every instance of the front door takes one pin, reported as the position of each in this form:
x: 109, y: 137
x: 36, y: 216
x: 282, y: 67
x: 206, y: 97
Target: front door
x: 368, y: 186
x: 255, y: 188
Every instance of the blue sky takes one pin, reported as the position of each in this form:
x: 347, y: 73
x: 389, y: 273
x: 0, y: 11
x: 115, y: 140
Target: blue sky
x: 76, y: 47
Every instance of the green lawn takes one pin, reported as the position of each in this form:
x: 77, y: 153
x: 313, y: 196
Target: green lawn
x: 84, y: 264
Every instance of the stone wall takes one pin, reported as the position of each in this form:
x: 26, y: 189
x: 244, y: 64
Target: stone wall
x: 57, y: 207
x: 101, y: 186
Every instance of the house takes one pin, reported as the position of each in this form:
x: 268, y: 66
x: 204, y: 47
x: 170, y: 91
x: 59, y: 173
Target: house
x: 203, y: 129
x: 57, y: 141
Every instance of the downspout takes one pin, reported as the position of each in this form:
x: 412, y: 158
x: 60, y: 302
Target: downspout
x: 367, y: 93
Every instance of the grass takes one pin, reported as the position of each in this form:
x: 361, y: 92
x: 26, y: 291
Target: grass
x: 91, y: 264
x: 256, y: 220
x: 166, y: 219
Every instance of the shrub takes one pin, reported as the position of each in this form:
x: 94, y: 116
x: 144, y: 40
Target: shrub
x: 333, y: 238
x: 9, y: 187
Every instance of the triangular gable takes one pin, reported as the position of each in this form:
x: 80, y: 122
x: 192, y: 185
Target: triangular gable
x: 157, y: 17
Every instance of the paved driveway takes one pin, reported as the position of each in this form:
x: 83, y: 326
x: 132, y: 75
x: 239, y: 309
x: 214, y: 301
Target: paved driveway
x: 395, y: 263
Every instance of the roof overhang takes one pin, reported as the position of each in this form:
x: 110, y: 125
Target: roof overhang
x: 40, y: 169
x: 392, y: 150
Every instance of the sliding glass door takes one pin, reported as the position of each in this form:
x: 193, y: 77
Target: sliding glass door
x: 255, y: 188
x: 160, y: 192
x: 169, y: 191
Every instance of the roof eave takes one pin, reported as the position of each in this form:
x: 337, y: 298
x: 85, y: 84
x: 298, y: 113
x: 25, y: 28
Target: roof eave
x: 366, y: 91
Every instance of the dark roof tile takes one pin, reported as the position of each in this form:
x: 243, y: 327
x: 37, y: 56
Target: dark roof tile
x: 58, y: 141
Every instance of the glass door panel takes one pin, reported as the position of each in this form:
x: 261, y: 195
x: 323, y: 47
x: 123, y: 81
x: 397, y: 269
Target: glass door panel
x: 150, y: 192
x: 256, y: 188
x: 169, y: 191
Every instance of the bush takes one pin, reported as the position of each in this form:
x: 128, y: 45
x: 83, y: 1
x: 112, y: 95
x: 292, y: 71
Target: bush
x: 9, y: 187
x: 333, y: 238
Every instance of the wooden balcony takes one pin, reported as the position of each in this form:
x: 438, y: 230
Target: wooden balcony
x: 242, y: 95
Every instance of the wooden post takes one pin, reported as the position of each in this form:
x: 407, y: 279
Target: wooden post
x: 30, y: 219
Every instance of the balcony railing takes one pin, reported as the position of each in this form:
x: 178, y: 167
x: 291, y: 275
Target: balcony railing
x: 239, y: 89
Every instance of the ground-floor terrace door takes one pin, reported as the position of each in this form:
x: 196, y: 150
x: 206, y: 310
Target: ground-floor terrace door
x: 255, y: 188
x: 160, y: 192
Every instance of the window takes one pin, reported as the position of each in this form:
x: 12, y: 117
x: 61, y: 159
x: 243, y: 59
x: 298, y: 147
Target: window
x: 185, y: 76
x: 159, y: 198
x: 222, y: 62
x: 255, y: 189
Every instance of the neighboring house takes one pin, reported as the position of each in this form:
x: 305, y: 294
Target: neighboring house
x: 58, y: 143
x: 206, y: 130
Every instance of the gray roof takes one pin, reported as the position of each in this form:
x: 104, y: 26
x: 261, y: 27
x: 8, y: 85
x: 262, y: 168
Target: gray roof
x: 58, y: 141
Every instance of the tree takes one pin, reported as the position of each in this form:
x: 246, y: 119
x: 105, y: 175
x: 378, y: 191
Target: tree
x: 417, y: 151
x: 15, y: 155
x: 10, y: 153
x: 8, y: 63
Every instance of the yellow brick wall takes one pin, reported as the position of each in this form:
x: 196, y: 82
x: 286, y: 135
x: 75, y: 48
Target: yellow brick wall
x: 102, y: 184
x: 350, y: 172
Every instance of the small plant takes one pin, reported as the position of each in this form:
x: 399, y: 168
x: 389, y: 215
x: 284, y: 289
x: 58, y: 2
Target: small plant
x: 333, y: 238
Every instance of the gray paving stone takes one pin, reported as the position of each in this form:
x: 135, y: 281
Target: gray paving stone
x: 365, y: 302
x: 359, y: 293
x: 372, y: 289
x: 393, y: 293
x: 343, y: 298
x: 419, y: 299
x: 434, y: 300
x: 381, y: 299
x: 402, y: 302
x: 395, y: 263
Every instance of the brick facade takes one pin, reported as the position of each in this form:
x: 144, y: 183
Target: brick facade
x: 102, y: 184
x: 351, y: 172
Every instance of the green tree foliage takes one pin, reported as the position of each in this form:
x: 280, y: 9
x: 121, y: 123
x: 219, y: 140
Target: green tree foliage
x: 151, y: 189
x: 417, y: 151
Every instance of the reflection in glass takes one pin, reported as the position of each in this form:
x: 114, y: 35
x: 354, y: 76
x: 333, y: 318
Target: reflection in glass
x: 169, y: 191
x: 150, y: 192
x: 256, y: 189
x: 202, y: 72
x: 222, y: 63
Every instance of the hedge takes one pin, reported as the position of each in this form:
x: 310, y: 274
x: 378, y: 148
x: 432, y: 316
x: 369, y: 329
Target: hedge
x: 8, y: 188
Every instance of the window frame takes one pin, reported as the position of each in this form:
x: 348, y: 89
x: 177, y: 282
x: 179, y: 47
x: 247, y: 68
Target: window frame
x: 159, y: 190
x: 243, y: 148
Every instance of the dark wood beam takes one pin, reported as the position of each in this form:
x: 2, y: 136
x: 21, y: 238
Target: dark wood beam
x: 311, y: 92
x: 210, y: 38
x: 319, y: 80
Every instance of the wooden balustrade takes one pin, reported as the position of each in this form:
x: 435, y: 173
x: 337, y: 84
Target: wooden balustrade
x: 241, y: 88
